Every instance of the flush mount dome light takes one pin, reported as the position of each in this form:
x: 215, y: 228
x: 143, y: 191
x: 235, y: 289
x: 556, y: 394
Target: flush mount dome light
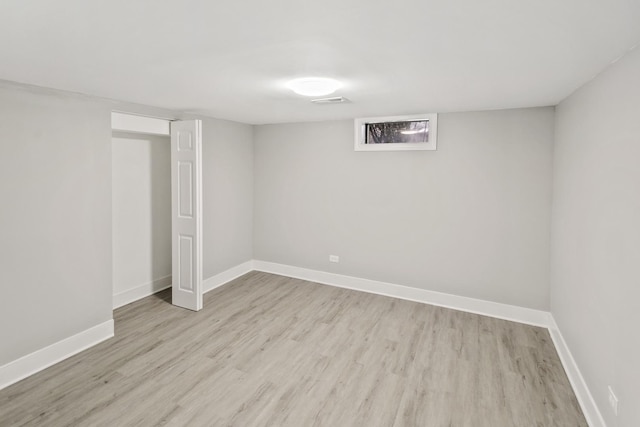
x: 313, y: 86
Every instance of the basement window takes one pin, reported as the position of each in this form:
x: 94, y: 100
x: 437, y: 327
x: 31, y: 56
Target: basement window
x: 397, y: 133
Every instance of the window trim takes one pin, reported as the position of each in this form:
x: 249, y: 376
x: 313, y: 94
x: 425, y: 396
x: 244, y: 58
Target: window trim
x: 360, y: 129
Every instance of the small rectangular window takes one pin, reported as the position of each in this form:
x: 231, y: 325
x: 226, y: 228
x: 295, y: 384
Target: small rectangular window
x: 417, y: 132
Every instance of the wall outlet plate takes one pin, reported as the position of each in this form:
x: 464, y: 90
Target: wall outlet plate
x: 334, y: 258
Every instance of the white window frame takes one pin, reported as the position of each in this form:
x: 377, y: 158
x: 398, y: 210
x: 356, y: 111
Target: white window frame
x: 360, y: 129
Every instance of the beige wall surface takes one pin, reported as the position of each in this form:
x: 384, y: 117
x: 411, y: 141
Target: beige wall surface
x: 595, y: 257
x: 470, y: 219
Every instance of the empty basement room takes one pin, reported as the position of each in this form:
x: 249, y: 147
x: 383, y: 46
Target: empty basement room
x: 340, y: 213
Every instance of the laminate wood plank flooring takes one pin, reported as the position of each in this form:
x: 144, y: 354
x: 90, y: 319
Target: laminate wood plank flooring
x: 269, y: 350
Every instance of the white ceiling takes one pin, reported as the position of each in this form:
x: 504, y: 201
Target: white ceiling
x: 230, y: 59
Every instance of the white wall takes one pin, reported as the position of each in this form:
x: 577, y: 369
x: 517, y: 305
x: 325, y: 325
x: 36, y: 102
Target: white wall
x: 55, y: 219
x: 595, y: 280
x: 227, y: 183
x: 471, y: 218
x: 141, y: 194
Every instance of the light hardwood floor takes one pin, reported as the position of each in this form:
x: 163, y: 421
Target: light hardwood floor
x: 274, y: 351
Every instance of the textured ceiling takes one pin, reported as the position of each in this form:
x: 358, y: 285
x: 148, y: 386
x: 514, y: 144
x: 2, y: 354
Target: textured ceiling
x: 231, y: 59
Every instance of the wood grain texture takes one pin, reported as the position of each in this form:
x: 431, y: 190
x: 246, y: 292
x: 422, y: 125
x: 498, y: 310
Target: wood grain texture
x: 269, y: 350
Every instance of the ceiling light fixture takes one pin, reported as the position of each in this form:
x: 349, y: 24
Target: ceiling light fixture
x: 334, y: 100
x: 314, y: 86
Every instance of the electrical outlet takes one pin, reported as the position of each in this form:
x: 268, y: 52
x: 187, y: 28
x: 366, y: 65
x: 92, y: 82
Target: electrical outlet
x: 334, y: 258
x: 613, y: 401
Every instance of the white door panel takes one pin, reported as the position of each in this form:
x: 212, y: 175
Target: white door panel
x: 186, y: 195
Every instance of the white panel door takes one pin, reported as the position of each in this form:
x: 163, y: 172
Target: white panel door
x: 186, y: 215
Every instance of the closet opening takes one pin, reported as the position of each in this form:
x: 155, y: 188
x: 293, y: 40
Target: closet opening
x: 156, y: 209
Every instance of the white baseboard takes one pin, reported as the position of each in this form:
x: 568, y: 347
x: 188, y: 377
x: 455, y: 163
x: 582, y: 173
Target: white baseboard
x: 471, y: 305
x: 587, y: 403
x: 141, y: 291
x: 28, y: 365
x: 226, y: 276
